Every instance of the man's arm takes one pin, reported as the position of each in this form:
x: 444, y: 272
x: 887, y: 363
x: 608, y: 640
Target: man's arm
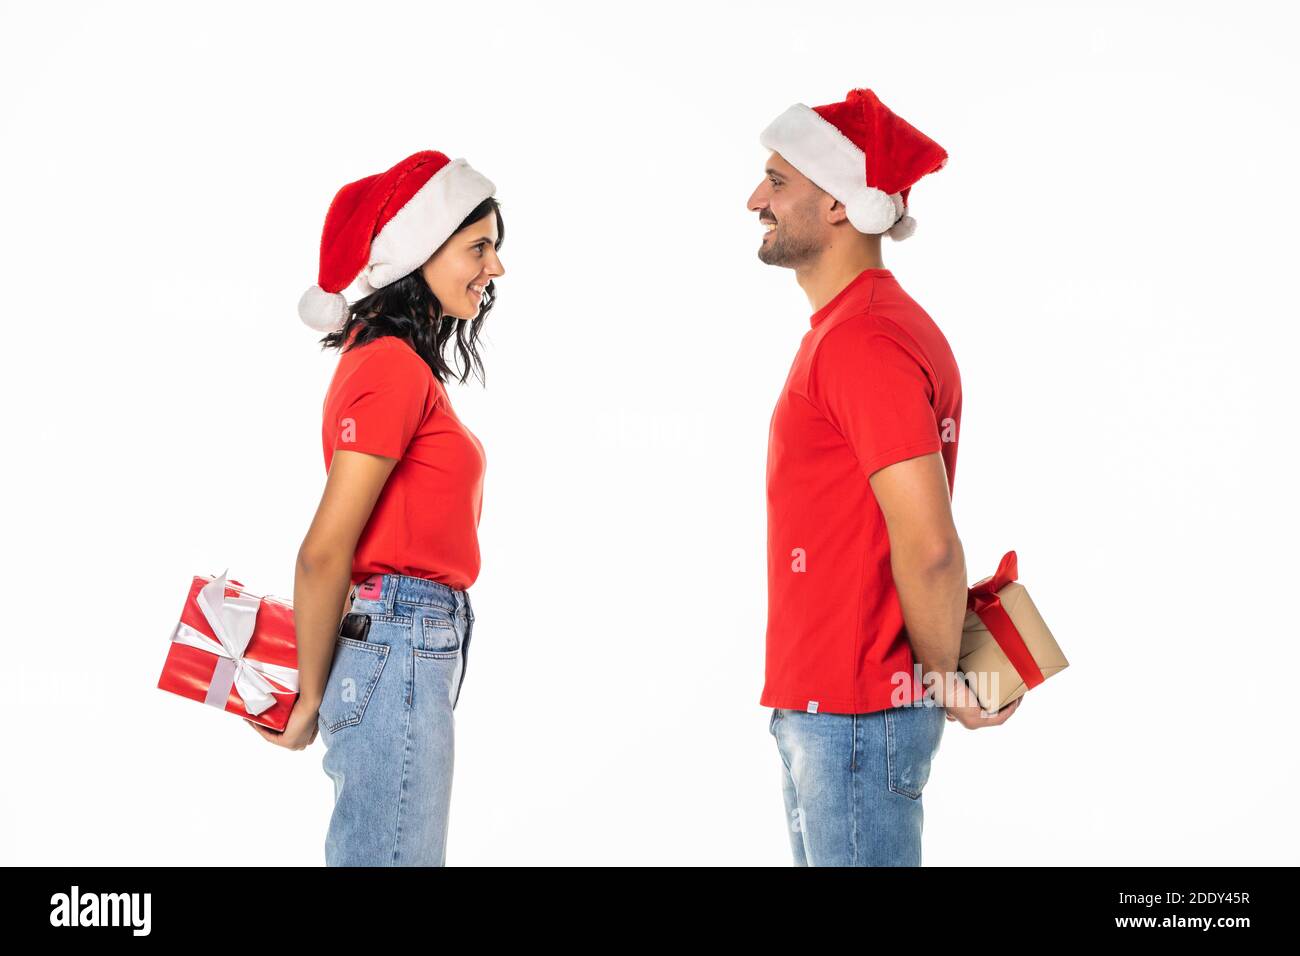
x: 926, y: 557
x: 929, y: 569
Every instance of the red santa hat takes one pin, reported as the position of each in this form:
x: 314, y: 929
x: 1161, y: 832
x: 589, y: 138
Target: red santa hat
x: 862, y: 154
x: 380, y: 228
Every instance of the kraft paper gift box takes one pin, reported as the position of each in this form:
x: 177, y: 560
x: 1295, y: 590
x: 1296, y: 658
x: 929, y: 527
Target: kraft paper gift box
x: 1005, y: 636
x: 236, y: 651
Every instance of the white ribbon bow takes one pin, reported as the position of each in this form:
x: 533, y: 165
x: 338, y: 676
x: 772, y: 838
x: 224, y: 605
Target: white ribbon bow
x: 232, y: 620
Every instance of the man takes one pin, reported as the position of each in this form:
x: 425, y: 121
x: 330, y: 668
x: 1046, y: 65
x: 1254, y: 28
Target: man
x: 866, y: 575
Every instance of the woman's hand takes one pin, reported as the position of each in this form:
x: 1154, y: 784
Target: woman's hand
x: 299, y: 732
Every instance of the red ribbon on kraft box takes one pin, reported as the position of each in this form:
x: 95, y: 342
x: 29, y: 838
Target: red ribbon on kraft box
x: 982, y: 599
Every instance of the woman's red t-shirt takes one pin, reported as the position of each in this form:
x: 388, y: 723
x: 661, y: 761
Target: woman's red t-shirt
x: 385, y: 400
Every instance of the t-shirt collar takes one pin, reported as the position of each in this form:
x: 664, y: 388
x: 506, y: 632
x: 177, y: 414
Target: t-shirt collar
x: 864, y: 276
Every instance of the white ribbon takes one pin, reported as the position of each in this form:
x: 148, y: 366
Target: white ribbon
x: 232, y: 620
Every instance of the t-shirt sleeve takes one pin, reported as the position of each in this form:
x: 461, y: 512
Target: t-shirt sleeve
x: 379, y: 403
x: 877, y: 394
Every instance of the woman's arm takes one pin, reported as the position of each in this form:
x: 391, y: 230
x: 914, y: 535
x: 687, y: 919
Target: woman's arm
x: 323, y: 578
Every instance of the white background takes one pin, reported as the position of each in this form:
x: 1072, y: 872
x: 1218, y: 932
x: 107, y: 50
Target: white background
x: 1110, y: 251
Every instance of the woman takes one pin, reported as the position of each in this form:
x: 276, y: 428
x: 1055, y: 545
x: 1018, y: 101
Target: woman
x: 395, y: 535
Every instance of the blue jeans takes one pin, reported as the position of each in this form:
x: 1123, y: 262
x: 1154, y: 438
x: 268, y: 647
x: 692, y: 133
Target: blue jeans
x: 386, y: 721
x: 852, y: 783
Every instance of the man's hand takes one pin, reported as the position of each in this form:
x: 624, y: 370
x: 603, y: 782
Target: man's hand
x: 962, y: 706
x: 299, y: 732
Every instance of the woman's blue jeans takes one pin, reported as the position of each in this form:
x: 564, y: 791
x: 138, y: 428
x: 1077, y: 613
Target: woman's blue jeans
x: 852, y: 783
x: 386, y: 721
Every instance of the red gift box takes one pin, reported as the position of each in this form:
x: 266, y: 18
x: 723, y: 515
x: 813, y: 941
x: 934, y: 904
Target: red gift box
x: 234, y: 650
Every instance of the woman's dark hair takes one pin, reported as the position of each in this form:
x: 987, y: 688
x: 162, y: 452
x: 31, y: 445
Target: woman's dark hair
x: 408, y: 309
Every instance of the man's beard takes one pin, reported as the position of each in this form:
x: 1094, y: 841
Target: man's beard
x: 785, y: 250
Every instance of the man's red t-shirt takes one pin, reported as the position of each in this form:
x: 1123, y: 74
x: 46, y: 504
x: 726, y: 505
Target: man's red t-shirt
x: 874, y: 382
x: 385, y: 400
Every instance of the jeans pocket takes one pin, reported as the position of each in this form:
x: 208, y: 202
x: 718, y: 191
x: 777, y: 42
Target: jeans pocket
x: 376, y: 609
x: 438, y: 633
x: 771, y: 724
x: 353, y: 676
x: 912, y: 737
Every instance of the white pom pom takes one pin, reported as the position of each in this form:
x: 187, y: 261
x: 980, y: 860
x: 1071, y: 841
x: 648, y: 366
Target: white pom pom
x: 323, y: 311
x: 870, y: 210
x: 903, y: 228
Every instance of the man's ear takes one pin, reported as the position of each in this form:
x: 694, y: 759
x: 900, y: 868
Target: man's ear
x: 836, y: 212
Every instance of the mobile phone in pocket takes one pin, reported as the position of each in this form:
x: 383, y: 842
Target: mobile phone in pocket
x: 355, y: 625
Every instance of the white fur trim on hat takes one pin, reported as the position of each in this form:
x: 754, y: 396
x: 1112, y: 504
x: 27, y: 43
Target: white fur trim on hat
x: 323, y: 311
x: 415, y: 231
x: 814, y: 146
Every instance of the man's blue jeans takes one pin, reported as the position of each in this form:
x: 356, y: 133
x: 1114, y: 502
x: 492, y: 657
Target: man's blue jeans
x: 386, y: 721
x: 852, y: 783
